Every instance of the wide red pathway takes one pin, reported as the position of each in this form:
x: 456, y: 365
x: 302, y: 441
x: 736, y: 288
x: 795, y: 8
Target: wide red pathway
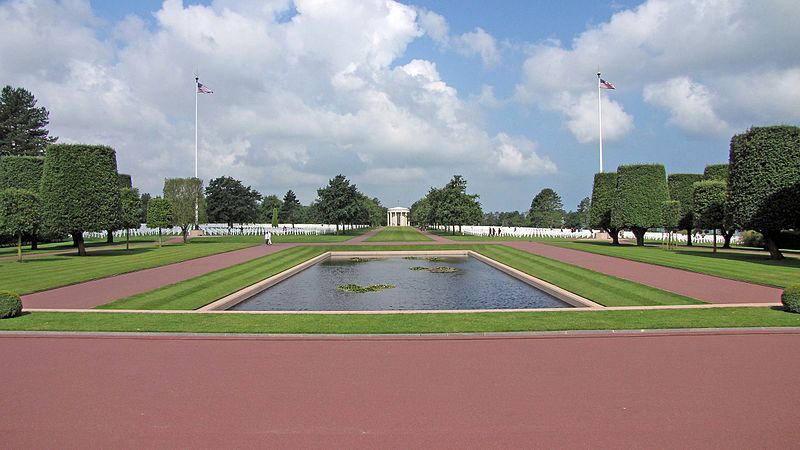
x: 707, y: 288
x: 726, y: 391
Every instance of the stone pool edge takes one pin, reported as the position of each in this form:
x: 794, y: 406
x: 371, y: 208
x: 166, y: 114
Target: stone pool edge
x: 229, y: 301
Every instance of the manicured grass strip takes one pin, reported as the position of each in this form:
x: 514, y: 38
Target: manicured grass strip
x: 202, y: 290
x: 748, y: 267
x: 598, y: 287
x: 47, y: 272
x: 399, y: 234
x: 67, y: 245
x: 404, y: 323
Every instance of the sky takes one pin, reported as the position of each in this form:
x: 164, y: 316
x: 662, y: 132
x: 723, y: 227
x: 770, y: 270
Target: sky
x: 400, y: 95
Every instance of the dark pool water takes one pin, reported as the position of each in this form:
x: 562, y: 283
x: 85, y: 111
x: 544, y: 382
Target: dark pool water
x: 474, y: 285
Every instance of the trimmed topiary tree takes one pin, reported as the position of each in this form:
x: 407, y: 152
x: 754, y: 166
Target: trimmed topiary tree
x: 10, y: 304
x: 791, y: 298
x: 19, y: 214
x: 680, y: 189
x: 21, y: 172
x: 764, y: 182
x: 159, y: 215
x: 603, y: 192
x: 131, y: 212
x: 716, y: 172
x: 79, y: 190
x: 709, y: 205
x: 641, y: 190
x: 670, y: 216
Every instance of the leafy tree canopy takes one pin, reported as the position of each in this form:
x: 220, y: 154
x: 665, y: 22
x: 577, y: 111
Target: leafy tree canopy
x: 22, y: 124
x: 547, y: 210
x: 229, y: 201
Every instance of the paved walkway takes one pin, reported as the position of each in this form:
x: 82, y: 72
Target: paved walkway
x: 704, y: 287
x: 729, y: 390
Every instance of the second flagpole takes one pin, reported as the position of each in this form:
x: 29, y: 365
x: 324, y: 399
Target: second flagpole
x: 600, y: 120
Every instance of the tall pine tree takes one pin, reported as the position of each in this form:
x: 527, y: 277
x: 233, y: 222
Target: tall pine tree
x: 22, y: 124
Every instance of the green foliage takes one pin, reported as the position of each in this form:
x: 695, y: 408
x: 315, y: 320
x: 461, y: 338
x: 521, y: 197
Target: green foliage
x: 159, y: 213
x: 442, y: 269
x: 603, y: 193
x: 791, y: 298
x: 716, y: 172
x: 131, y: 216
x: 584, y: 207
x: 186, y: 197
x: 229, y: 201
x: 21, y: 172
x: 145, y: 202
x: 709, y: 203
x: 79, y: 190
x: 752, y: 238
x: 764, y: 180
x: 274, y: 217
x: 670, y: 214
x: 19, y: 211
x: 289, y: 207
x: 22, y: 124
x: 573, y: 220
x: 546, y: 211
x: 503, y: 218
x: 450, y: 205
x: 680, y: 189
x: 337, y: 201
x: 10, y: 304
x: 268, y: 204
x: 641, y: 189
x: 124, y: 181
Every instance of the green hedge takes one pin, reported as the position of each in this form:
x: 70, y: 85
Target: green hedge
x: 791, y: 298
x: 709, y: 203
x: 79, y: 190
x: 764, y: 180
x: 717, y: 172
x: 680, y: 189
x: 605, y: 185
x: 10, y: 304
x: 641, y: 190
x: 21, y: 172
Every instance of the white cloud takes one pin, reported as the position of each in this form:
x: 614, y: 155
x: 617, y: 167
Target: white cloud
x: 480, y: 43
x: 517, y: 156
x: 689, y: 104
x: 434, y: 26
x: 662, y: 40
x: 300, y: 93
x: 582, y: 117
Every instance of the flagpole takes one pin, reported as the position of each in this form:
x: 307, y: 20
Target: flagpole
x: 600, y: 120
x: 196, y: 85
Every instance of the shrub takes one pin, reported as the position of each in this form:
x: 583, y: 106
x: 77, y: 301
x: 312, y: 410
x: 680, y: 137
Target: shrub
x: 791, y: 298
x: 752, y: 238
x: 764, y: 182
x: 10, y: 304
x: 641, y: 189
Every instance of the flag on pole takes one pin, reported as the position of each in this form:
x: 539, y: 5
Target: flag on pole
x: 201, y: 89
x: 606, y: 84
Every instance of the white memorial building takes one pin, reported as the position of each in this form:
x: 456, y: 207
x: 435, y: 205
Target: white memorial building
x: 397, y: 216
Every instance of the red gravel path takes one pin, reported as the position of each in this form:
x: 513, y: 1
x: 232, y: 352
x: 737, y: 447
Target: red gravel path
x: 598, y: 391
x: 702, y: 287
x: 105, y: 290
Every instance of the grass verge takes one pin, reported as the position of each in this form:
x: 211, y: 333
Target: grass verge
x: 403, y: 323
x: 748, y: 267
x: 398, y: 234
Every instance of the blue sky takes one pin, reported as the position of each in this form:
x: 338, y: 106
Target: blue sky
x: 401, y: 96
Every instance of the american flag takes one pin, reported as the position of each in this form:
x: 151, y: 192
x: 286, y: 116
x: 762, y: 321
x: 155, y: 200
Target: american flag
x: 606, y: 84
x: 201, y: 89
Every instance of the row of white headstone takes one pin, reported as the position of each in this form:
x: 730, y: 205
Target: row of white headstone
x: 529, y: 232
x: 222, y: 229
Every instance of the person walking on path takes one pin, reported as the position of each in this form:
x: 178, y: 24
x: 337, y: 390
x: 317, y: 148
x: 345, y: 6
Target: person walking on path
x: 268, y: 238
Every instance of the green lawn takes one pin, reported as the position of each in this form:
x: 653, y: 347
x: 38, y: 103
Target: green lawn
x: 404, y: 323
x: 202, y: 290
x: 743, y: 266
x: 399, y: 234
x: 47, y: 272
x: 67, y: 245
x: 469, y: 237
